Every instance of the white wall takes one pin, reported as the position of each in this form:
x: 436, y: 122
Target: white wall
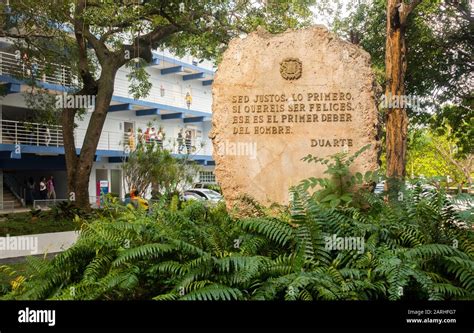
x: 175, y: 90
x: 102, y: 165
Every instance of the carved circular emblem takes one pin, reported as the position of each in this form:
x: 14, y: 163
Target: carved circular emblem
x: 291, y: 69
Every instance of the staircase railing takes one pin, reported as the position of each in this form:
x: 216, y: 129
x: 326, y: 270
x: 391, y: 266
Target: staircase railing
x: 18, y: 190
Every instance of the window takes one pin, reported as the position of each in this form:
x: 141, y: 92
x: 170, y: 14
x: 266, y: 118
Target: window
x: 207, y: 177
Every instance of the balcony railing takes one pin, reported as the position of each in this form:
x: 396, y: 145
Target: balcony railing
x: 13, y: 65
x: 35, y: 134
x: 26, y: 133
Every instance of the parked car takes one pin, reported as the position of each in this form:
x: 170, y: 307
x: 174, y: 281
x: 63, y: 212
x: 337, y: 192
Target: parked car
x: 209, y: 186
x: 380, y: 187
x: 202, y: 194
x: 192, y: 196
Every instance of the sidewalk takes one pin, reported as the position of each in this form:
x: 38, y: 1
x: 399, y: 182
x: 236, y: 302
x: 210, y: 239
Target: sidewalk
x: 37, y: 244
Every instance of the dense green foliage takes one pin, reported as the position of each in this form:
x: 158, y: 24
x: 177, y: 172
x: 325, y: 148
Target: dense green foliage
x: 438, y: 154
x: 148, y: 166
x: 439, y: 46
x: 416, y: 249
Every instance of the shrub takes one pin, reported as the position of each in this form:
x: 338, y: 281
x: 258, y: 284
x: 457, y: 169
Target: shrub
x: 418, y: 248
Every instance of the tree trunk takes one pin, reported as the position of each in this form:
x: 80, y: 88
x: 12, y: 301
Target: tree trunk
x: 67, y: 122
x: 395, y: 68
x: 79, y: 167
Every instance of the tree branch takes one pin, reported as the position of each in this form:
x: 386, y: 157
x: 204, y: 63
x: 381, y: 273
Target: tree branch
x: 406, y: 9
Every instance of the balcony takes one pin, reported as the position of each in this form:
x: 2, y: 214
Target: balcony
x: 39, y: 138
x: 12, y: 66
x: 15, y: 72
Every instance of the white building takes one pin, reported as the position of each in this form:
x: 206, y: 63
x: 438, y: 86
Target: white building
x: 36, y: 150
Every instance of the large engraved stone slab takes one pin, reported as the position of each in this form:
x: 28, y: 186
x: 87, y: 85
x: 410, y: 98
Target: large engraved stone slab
x: 277, y: 98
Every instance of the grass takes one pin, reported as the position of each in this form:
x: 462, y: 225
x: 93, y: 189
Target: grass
x: 25, y: 224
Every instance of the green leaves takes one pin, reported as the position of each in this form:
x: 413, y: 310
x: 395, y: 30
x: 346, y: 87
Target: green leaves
x: 339, y: 188
x: 139, y: 84
x: 146, y: 251
x: 277, y: 231
x: 213, y: 292
x: 413, y: 250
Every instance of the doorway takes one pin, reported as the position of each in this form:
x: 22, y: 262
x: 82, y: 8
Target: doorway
x: 115, y: 182
x: 129, y: 134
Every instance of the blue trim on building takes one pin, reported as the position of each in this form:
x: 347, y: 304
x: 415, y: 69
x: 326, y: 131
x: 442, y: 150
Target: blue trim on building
x: 34, y: 162
x: 159, y: 106
x: 194, y: 76
x: 30, y: 149
x: 120, y: 107
x: 29, y: 160
x: 110, y: 153
x: 169, y: 116
x: 207, y: 82
x: 116, y: 159
x: 148, y: 112
x: 49, y: 86
x: 11, y: 88
x: 164, y: 58
x: 123, y: 100
x: 172, y: 70
x: 193, y: 120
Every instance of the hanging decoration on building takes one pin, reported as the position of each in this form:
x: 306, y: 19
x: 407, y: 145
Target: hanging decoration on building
x: 189, y: 99
x: 162, y: 91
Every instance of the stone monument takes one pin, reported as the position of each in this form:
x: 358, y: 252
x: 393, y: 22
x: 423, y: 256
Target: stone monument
x: 278, y: 98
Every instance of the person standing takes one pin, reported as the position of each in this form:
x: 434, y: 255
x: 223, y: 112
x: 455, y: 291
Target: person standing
x: 147, y: 135
x: 159, y: 138
x: 153, y: 135
x: 131, y: 139
x: 140, y: 138
x: 188, y: 142
x: 180, y: 141
x: 50, y: 187
x: 43, y: 189
x: 189, y: 100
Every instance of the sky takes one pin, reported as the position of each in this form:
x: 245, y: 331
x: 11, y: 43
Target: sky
x: 343, y: 11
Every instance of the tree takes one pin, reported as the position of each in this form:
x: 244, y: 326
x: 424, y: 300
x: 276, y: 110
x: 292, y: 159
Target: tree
x: 149, y: 167
x: 458, y: 122
x: 438, y: 66
x: 100, y: 36
x: 432, y: 154
x: 395, y: 69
